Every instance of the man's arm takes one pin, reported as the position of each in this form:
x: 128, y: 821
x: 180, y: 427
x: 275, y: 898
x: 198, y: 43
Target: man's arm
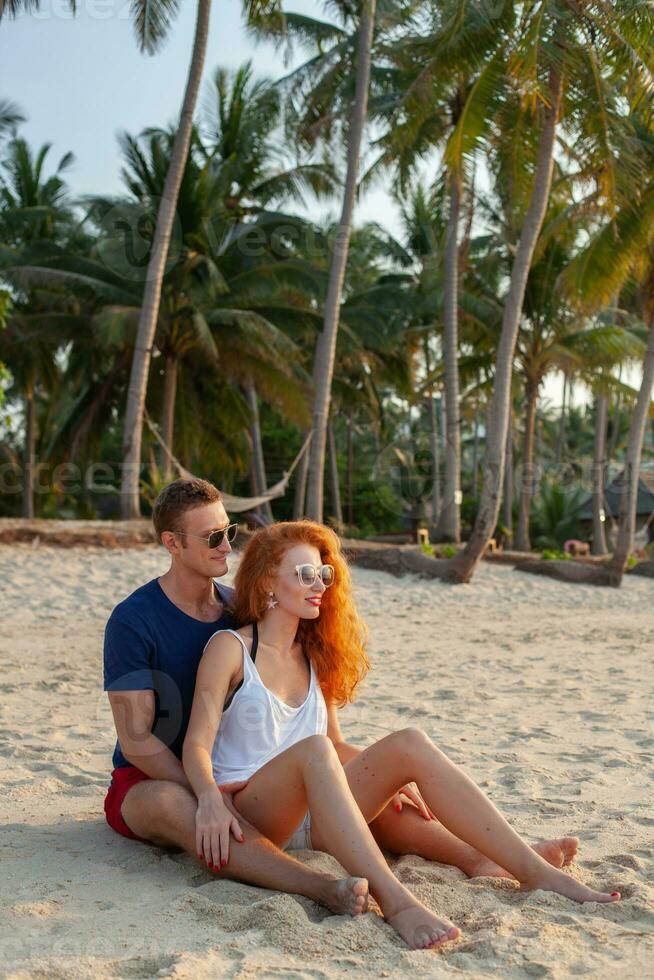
x: 133, y: 713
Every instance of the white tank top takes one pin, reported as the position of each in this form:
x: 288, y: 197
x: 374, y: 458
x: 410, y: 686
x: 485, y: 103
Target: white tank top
x: 257, y: 725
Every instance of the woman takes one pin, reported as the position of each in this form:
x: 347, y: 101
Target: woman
x: 265, y: 701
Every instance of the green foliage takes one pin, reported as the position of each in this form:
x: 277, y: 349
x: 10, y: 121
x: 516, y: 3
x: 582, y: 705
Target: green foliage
x: 556, y: 514
x: 553, y: 554
x: 245, y: 284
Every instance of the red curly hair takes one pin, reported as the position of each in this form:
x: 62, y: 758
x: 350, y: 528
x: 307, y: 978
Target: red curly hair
x: 336, y: 641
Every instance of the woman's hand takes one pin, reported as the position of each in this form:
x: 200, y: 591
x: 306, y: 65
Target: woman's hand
x: 213, y: 825
x: 413, y: 794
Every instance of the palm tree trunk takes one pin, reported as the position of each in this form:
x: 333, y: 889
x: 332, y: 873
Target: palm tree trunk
x: 133, y: 425
x: 507, y: 491
x: 449, y: 523
x: 326, y: 346
x: 435, y: 461
x: 349, y: 477
x: 168, y: 415
x: 258, y: 464
x: 462, y: 567
x: 433, y: 445
x: 30, y: 451
x: 561, y: 433
x: 300, y: 494
x: 598, y: 546
x: 523, y: 541
x: 475, y: 451
x: 629, y: 493
x: 615, y: 425
x: 333, y: 479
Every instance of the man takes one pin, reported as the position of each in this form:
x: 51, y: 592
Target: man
x: 153, y: 644
x: 154, y: 640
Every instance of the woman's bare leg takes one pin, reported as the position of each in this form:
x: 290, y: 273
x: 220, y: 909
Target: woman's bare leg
x: 408, y: 832
x: 310, y: 775
x: 406, y: 756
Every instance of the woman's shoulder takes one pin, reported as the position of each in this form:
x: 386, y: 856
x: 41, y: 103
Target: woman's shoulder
x: 229, y: 641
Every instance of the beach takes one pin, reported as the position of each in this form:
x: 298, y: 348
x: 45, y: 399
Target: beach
x: 541, y: 690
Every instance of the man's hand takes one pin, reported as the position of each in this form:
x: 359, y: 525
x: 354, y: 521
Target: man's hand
x: 412, y: 793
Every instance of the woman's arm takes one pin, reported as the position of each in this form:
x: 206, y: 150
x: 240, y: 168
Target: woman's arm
x: 220, y: 663
x: 344, y: 751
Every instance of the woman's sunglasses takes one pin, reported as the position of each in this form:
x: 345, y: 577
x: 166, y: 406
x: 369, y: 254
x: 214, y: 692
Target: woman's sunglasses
x: 308, y: 574
x: 215, y: 539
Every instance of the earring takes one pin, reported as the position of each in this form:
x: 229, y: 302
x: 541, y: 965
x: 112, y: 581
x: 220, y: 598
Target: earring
x: 272, y: 602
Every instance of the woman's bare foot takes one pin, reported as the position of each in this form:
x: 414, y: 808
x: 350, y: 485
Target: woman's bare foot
x: 559, y: 852
x: 347, y: 896
x: 421, y: 929
x: 551, y: 880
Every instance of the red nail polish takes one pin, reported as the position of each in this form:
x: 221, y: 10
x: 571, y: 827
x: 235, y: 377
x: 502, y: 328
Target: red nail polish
x: 615, y: 894
x: 398, y: 807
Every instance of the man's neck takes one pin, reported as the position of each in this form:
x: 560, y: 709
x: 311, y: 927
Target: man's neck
x: 192, y: 593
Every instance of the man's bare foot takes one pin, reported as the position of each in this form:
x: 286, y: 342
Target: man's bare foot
x: 551, y: 880
x: 559, y: 852
x: 421, y: 929
x: 347, y: 896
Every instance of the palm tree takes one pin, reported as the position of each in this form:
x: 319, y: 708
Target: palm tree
x: 326, y: 345
x: 594, y: 277
x: 550, y: 338
x: 34, y: 215
x: 551, y: 46
x: 151, y: 37
x: 332, y: 85
x: 10, y: 114
x: 445, y: 82
x: 152, y: 21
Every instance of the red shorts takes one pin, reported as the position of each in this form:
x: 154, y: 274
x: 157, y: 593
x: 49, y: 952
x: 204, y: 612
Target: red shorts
x: 122, y: 780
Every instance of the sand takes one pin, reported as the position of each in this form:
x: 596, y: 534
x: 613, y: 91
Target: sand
x: 541, y: 690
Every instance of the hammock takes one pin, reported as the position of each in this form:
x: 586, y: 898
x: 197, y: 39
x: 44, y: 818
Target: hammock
x: 238, y: 505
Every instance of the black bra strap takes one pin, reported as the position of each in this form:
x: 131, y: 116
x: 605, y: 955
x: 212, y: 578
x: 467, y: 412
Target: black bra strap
x: 253, y: 654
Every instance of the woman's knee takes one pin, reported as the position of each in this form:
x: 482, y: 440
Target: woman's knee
x: 414, y: 740
x: 318, y: 747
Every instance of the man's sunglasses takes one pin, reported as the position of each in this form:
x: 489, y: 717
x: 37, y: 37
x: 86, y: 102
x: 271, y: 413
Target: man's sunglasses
x: 215, y: 539
x: 307, y: 574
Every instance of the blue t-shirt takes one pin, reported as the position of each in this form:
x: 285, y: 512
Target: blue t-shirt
x: 151, y: 645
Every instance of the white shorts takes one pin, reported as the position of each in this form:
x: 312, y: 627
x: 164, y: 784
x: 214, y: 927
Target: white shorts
x: 301, y: 839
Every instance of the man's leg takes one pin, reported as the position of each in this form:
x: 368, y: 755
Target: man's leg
x: 164, y: 813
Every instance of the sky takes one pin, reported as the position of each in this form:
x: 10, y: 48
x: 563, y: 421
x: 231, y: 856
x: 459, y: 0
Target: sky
x: 80, y: 80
